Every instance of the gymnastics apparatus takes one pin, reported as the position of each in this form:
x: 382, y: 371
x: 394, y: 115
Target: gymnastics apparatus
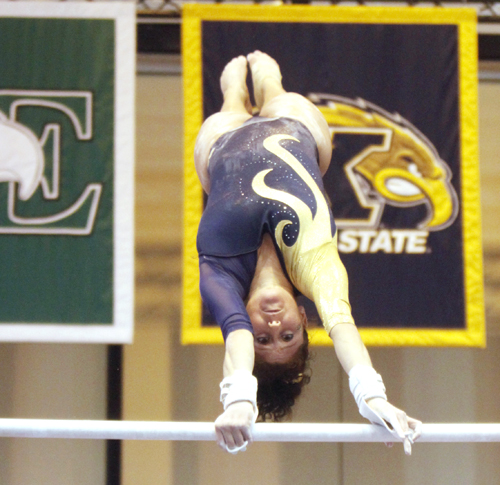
x: 205, y: 431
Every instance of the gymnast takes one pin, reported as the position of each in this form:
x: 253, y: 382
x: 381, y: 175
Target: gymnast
x: 266, y: 235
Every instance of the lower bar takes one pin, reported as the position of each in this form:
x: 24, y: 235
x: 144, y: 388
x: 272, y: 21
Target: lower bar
x: 202, y: 431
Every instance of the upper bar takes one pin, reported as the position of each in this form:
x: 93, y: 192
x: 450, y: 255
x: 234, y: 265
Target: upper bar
x: 203, y: 431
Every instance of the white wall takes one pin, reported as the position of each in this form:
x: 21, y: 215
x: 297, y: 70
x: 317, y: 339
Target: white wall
x: 52, y: 381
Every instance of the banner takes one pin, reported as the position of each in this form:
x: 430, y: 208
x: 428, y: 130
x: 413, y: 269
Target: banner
x: 398, y: 87
x: 66, y: 171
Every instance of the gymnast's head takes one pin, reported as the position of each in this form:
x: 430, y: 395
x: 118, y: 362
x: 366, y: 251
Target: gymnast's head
x: 281, y: 350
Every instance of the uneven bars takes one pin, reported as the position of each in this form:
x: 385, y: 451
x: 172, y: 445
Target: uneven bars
x: 203, y: 431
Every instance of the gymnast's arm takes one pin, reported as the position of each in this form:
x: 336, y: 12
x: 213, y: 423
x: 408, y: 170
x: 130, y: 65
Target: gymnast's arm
x: 326, y: 279
x: 222, y: 286
x: 355, y: 360
x: 233, y: 428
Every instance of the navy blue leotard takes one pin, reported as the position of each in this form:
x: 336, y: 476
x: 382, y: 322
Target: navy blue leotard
x: 236, y: 217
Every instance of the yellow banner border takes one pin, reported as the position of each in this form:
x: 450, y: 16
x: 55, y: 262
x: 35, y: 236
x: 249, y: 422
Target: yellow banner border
x: 474, y: 335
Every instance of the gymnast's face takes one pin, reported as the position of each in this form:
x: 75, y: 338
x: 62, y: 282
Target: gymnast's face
x: 278, y: 324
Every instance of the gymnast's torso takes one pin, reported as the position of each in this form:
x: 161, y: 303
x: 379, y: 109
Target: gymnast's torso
x: 264, y: 178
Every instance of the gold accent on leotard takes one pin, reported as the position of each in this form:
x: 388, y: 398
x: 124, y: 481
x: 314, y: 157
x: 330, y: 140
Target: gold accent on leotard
x: 312, y: 262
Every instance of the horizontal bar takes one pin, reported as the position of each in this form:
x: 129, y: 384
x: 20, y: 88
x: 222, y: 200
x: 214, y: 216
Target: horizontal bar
x: 203, y: 431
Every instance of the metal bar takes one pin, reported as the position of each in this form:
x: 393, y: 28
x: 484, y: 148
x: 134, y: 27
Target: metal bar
x: 203, y: 431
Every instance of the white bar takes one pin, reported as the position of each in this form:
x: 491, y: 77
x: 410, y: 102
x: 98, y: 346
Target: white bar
x: 203, y: 431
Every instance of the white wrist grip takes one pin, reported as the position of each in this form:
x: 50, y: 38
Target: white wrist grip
x: 240, y: 386
x: 365, y: 383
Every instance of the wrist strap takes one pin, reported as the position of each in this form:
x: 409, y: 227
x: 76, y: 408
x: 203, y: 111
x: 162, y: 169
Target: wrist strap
x: 240, y: 386
x: 365, y: 383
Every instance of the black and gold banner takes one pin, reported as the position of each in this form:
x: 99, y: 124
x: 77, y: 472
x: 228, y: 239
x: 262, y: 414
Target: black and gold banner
x: 398, y: 87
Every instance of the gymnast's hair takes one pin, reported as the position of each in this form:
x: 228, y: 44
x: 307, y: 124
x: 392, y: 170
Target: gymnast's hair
x: 281, y: 384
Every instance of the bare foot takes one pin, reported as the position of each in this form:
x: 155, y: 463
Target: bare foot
x: 234, y: 86
x: 266, y: 77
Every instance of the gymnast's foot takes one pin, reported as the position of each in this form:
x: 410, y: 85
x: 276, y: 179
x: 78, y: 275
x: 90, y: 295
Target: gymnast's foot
x: 234, y: 86
x: 266, y: 77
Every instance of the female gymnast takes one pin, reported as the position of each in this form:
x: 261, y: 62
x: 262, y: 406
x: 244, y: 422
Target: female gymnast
x: 267, y: 232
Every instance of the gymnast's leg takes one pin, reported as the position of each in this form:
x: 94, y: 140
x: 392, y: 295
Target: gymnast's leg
x: 236, y: 109
x: 273, y: 101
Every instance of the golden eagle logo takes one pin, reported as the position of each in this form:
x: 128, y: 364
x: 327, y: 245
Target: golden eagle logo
x: 403, y: 170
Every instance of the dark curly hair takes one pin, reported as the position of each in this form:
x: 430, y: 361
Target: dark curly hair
x: 281, y: 384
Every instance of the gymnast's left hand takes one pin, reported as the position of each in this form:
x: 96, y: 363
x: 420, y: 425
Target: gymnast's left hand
x: 233, y: 428
x: 406, y: 428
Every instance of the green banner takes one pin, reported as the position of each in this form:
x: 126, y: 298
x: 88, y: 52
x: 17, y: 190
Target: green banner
x: 59, y: 164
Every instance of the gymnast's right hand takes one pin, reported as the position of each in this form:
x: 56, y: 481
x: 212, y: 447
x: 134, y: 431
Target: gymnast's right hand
x: 233, y: 428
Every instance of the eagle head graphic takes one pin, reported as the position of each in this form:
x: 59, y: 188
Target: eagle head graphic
x: 21, y: 157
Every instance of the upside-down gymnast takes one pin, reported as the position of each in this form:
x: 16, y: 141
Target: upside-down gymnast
x: 266, y: 234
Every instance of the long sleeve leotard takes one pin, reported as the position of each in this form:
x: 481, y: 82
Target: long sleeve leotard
x: 265, y: 178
